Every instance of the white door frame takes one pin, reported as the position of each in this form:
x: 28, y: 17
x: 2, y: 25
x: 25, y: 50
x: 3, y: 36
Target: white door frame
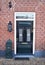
x: 33, y: 19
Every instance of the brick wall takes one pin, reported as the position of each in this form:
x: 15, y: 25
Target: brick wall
x: 7, y: 14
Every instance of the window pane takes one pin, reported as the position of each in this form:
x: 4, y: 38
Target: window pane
x: 28, y: 35
x: 20, y: 35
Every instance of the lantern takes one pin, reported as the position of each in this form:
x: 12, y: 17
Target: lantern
x: 9, y: 26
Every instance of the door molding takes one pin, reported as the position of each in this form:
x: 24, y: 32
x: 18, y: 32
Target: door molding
x: 31, y: 18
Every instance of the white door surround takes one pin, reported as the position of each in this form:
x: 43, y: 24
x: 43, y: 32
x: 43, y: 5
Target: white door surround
x: 30, y: 16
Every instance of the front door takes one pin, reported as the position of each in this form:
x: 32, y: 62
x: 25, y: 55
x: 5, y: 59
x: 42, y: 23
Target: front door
x: 24, y: 37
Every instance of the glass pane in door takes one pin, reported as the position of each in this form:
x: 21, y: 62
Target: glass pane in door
x: 20, y: 35
x: 28, y: 35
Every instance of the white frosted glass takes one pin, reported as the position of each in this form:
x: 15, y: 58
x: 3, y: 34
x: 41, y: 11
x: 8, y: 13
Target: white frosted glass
x: 28, y: 35
x: 20, y: 35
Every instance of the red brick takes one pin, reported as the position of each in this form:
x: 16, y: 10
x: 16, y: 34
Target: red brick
x: 7, y: 15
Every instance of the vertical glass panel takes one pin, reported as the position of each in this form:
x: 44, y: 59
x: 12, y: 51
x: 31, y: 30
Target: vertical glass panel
x: 28, y: 35
x: 20, y: 35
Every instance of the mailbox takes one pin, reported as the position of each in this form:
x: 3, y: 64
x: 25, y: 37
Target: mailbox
x: 8, y: 51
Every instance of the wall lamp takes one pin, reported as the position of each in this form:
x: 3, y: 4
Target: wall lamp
x: 10, y: 26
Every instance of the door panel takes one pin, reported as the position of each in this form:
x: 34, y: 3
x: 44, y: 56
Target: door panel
x: 24, y: 35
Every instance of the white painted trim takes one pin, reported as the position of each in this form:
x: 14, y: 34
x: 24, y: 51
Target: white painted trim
x: 15, y: 30
x: 25, y: 19
x: 14, y: 33
x: 34, y: 35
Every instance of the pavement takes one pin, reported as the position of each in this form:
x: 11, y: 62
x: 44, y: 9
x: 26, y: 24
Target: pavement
x: 31, y: 61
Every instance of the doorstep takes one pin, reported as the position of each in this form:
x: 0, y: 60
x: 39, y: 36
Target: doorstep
x: 23, y: 56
